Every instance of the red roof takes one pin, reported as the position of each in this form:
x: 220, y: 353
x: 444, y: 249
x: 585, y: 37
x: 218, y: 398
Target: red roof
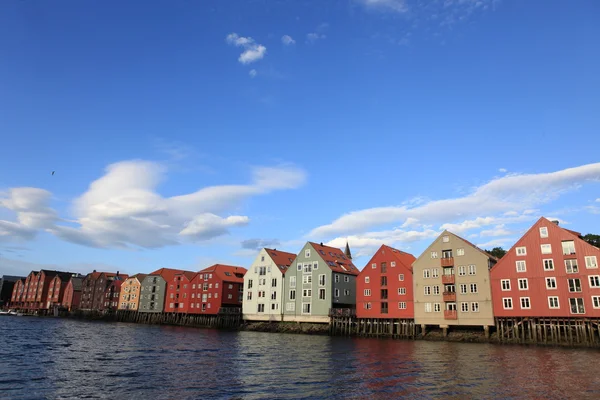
x: 406, y: 259
x: 335, y: 259
x: 188, y: 274
x: 227, y: 273
x: 167, y: 273
x: 282, y: 259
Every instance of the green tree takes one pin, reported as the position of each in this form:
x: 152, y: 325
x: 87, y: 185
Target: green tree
x: 592, y: 239
x: 497, y: 252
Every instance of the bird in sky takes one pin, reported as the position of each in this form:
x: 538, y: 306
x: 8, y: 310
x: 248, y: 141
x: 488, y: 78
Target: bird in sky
x: 52, y: 172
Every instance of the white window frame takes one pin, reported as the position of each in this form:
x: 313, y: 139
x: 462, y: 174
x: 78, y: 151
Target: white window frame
x: 402, y: 305
x: 437, y: 307
x: 307, y: 253
x: 505, y: 285
x: 505, y: 301
x: 428, y: 307
x: 367, y: 292
x: 401, y: 277
x: 435, y: 272
x: 551, y: 279
x: 401, y: 291
x: 550, y: 299
x: 571, y: 309
x: 426, y: 273
x: 574, y: 286
x: 471, y: 286
x: 427, y: 290
x: 524, y: 266
x: 543, y: 231
x: 445, y: 239
x: 548, y: 262
x: 436, y: 290
x: 475, y: 306
x: 596, y: 302
x: 336, y: 293
x: 460, y: 252
x: 392, y: 264
x: 591, y: 262
x: 521, y: 299
x: 462, y: 270
x: 563, y: 247
x: 594, y: 281
x: 570, y: 262
x: 521, y: 251
x: 546, y: 248
x: 309, y: 308
x: 472, y: 269
x: 373, y: 265
x: 464, y: 289
x: 434, y: 254
x: 523, y: 284
x: 367, y: 279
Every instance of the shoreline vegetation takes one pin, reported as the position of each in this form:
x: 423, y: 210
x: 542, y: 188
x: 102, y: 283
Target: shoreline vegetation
x: 304, y: 328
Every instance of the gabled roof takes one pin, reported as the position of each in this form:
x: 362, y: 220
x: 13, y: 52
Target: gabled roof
x: 76, y: 282
x: 226, y: 273
x: 404, y: 258
x: 188, y: 274
x: 335, y: 259
x: 64, y: 276
x: 167, y: 273
x: 282, y: 259
x: 11, y: 278
x: 139, y: 277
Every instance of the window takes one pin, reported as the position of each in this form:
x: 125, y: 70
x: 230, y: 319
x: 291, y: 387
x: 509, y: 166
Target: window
x: 290, y: 307
x: 402, y: 291
x: 591, y: 262
x: 472, y: 269
x: 546, y: 249
x: 402, y: 305
x: 427, y: 290
x: 577, y: 306
x: 596, y: 301
x: 427, y: 307
x: 464, y: 307
x: 475, y: 307
x: 273, y: 295
x: 322, y: 280
x: 384, y: 308
x: 367, y: 306
x: 292, y: 294
x: 521, y: 251
x: 367, y: 279
x: 473, y: 288
x: 383, y: 281
x: 336, y: 293
x: 307, y: 268
x: 463, y: 288
x: 521, y: 266
x: 434, y: 254
x: 550, y: 283
x: 230, y: 286
x: 523, y: 284
x: 336, y: 278
x: 436, y: 290
x: 437, y: 307
x: 367, y: 292
x: 525, y: 303
x: 574, y: 285
x: 393, y: 264
x: 346, y: 278
x: 553, y: 302
x: 401, y: 277
x: 446, y: 253
x: 548, y: 264
x: 307, y: 254
x: 274, y: 282
x: 571, y: 266
x: 435, y: 272
x: 321, y: 294
x: 299, y: 267
x: 460, y: 252
x: 315, y: 265
x: 274, y: 306
x: 384, y: 293
x: 293, y: 281
x: 383, y: 267
x: 594, y: 281
x: 305, y: 308
x: 249, y: 297
x: 374, y: 265
x: 306, y: 292
x: 307, y: 279
x: 445, y: 239
x: 426, y: 273
x: 505, y: 283
x: 568, y: 247
x: 462, y: 270
x: 543, y: 232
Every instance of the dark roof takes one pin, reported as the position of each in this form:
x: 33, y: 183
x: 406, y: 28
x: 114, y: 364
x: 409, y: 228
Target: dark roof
x: 281, y: 258
x: 77, y: 281
x: 336, y: 260
x: 11, y: 278
x: 64, y: 276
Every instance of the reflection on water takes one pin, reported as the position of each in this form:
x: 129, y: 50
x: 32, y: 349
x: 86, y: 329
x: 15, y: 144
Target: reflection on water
x: 52, y: 358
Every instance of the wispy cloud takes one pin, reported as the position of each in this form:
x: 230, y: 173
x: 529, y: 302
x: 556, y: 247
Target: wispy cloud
x: 257, y: 244
x: 253, y: 73
x: 252, y: 50
x: 313, y: 37
x: 398, y: 6
x: 287, y: 40
x: 122, y: 208
x: 503, y: 170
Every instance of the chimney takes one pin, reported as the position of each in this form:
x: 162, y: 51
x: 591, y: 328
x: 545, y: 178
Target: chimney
x: 94, y: 271
x: 117, y: 273
x: 321, y: 243
x: 555, y: 222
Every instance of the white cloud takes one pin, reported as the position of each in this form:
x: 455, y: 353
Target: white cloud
x: 598, y: 200
x: 252, y: 50
x: 122, y: 209
x: 503, y: 170
x: 514, y: 192
x: 287, y: 40
x: 498, y: 230
x: 313, y: 37
x: 253, y: 73
x: 385, y: 5
x: 501, y: 242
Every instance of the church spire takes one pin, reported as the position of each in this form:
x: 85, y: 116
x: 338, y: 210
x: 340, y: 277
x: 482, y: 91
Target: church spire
x: 347, y: 251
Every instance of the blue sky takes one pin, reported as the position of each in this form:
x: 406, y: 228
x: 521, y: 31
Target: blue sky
x: 188, y: 133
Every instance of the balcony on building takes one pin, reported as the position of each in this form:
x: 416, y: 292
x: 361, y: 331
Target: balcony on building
x: 448, y: 279
x: 447, y: 261
x: 449, y: 296
x: 450, y: 314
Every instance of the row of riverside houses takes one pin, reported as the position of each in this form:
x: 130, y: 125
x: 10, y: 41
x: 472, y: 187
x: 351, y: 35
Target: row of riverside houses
x: 549, y: 273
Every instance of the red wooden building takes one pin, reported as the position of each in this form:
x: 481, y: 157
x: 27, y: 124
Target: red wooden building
x: 217, y: 287
x: 57, y: 287
x: 384, y: 288
x: 72, y: 296
x: 93, y: 289
x: 112, y: 293
x: 179, y: 292
x: 17, y: 296
x: 34, y: 295
x: 549, y: 272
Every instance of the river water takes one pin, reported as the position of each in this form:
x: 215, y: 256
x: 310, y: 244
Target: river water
x: 59, y: 358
